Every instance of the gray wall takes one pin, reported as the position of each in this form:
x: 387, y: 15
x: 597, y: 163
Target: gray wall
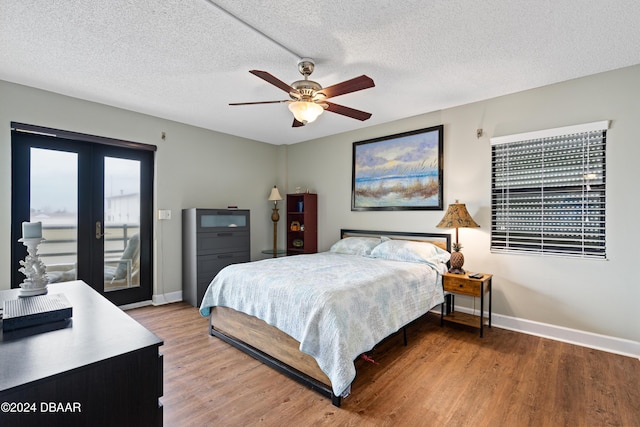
x: 201, y: 168
x: 600, y: 297
x: 194, y: 168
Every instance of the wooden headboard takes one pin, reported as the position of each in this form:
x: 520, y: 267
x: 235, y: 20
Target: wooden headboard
x: 442, y: 240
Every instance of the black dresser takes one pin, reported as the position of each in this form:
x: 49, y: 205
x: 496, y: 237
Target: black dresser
x: 211, y: 240
x: 99, y: 368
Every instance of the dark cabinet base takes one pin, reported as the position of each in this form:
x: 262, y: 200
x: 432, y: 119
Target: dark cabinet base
x: 115, y: 392
x: 100, y: 368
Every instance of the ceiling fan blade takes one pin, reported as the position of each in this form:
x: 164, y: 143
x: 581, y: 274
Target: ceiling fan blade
x: 273, y: 80
x: 258, y: 102
x: 346, y: 111
x: 296, y: 123
x: 348, y: 86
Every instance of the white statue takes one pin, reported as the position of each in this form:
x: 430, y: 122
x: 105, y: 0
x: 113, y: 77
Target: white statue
x: 34, y: 269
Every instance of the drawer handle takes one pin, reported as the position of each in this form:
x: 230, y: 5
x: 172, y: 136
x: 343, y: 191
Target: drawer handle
x: 461, y: 285
x: 225, y: 256
x: 224, y: 234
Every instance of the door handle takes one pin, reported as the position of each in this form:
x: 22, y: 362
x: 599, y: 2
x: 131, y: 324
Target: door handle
x: 99, y: 230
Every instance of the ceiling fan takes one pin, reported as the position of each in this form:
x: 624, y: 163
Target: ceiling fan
x: 309, y: 99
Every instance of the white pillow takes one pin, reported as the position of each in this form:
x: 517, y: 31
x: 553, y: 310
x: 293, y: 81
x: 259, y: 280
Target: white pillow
x: 409, y: 251
x: 355, y: 245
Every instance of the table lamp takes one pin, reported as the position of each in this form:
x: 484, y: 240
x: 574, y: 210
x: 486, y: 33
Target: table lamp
x: 456, y: 217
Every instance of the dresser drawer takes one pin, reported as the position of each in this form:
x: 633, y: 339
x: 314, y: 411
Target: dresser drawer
x: 462, y: 285
x: 222, y: 242
x: 210, y: 265
x: 221, y: 219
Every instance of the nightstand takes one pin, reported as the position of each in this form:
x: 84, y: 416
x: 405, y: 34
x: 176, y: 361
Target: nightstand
x: 462, y: 284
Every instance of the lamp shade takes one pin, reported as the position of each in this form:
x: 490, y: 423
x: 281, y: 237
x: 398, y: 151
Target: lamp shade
x: 305, y: 111
x: 275, y: 194
x: 457, y: 216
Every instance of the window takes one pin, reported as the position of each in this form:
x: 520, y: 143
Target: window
x: 548, y: 192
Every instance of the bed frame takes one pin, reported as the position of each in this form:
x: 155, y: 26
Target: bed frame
x: 278, y: 349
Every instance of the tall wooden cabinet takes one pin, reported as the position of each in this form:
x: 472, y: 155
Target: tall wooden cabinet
x: 302, y: 223
x: 211, y: 240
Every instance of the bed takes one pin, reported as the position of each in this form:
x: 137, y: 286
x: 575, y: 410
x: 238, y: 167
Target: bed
x: 369, y: 285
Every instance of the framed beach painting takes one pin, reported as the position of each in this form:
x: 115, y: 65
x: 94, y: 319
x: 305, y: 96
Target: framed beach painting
x: 398, y: 172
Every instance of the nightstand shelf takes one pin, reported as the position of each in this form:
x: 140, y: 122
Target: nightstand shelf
x: 464, y: 318
x: 462, y: 284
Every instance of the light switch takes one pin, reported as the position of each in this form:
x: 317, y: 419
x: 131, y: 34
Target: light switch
x: 164, y: 214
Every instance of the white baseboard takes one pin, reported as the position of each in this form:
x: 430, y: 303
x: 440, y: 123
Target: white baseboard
x: 160, y: 299
x: 606, y: 343
x: 133, y: 305
x: 155, y: 300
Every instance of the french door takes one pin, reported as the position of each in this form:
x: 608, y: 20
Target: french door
x: 95, y: 203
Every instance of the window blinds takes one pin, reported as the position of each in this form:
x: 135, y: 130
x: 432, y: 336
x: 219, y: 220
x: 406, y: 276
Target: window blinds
x: 548, y: 192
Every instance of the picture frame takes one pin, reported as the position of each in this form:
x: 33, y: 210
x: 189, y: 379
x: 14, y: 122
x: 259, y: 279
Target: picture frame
x: 399, y: 172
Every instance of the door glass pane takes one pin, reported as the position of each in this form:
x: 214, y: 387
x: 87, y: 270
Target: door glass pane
x: 54, y: 202
x: 121, y: 223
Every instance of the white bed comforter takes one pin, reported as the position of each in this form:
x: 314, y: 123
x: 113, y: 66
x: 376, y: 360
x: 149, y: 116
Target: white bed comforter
x: 337, y: 306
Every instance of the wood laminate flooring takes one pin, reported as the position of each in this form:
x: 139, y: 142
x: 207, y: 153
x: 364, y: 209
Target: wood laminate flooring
x: 444, y: 377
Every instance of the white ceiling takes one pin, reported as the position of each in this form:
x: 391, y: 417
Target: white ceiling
x: 185, y: 60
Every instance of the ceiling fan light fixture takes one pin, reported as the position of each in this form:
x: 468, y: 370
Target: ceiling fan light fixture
x: 308, y: 98
x: 305, y: 111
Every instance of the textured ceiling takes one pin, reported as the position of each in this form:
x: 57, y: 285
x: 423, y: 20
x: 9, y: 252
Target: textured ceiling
x: 185, y: 60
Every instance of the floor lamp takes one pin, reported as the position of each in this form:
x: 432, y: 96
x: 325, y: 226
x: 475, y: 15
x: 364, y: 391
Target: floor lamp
x: 275, y: 217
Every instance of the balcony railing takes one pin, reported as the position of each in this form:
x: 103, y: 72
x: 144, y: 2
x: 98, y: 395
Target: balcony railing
x: 61, y: 242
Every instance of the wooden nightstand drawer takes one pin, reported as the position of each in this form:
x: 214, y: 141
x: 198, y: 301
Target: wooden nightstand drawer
x: 462, y: 285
